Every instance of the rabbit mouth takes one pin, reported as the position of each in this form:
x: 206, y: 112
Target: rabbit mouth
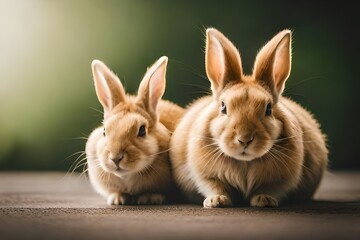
x: 244, y: 153
x: 121, y: 172
x: 250, y: 154
x: 244, y: 156
x: 116, y: 170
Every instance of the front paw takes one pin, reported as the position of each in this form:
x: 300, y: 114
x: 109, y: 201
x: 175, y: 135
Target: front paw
x: 149, y: 198
x: 216, y: 201
x: 117, y: 198
x: 263, y: 200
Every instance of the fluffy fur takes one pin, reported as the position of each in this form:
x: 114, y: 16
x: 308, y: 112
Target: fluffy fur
x: 128, y: 155
x: 247, y: 141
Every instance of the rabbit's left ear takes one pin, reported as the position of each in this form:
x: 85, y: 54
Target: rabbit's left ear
x: 273, y: 63
x: 152, y: 87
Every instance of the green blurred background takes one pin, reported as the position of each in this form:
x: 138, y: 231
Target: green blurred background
x: 47, y: 97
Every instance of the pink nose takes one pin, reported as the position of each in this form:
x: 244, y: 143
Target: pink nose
x: 116, y: 158
x: 245, y: 139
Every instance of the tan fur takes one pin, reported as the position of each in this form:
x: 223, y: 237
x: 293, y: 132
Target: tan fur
x: 140, y: 173
x: 244, y: 153
x: 170, y: 114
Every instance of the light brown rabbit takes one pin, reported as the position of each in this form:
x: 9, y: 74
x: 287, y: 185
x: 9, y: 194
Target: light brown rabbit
x: 127, y: 156
x: 247, y: 141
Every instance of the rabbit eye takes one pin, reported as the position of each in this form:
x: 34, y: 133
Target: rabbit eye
x: 142, y: 131
x: 104, y: 132
x: 223, y: 108
x: 268, y: 109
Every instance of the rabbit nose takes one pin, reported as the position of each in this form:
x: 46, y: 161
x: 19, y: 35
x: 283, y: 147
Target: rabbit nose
x: 116, y: 158
x: 245, y: 139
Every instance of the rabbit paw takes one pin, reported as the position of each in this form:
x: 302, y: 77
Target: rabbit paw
x: 263, y: 200
x: 216, y: 201
x: 117, y: 198
x: 150, y: 198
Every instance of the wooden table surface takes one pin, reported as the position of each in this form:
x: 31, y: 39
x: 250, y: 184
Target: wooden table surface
x: 56, y: 205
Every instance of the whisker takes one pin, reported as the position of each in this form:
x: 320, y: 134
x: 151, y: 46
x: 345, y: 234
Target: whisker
x: 151, y: 167
x: 80, y: 138
x: 303, y: 81
x: 84, y: 172
x: 74, y: 154
x: 279, y: 153
x: 293, y: 136
x: 79, y: 164
x: 77, y: 160
x: 174, y: 147
x: 189, y: 68
x: 97, y: 110
x: 203, y: 90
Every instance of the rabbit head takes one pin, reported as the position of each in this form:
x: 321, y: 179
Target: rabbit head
x: 248, y: 120
x: 132, y: 134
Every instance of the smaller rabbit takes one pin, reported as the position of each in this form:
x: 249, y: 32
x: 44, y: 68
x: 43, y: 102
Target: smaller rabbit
x: 127, y: 156
x: 247, y: 141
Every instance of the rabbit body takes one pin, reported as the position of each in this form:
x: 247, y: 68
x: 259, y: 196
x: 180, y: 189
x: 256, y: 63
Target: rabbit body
x: 247, y: 141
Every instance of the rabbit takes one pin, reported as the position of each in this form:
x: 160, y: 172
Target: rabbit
x: 127, y: 155
x: 247, y: 142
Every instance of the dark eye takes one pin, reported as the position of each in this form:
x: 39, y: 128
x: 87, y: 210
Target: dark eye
x: 268, y: 110
x: 142, y: 131
x: 223, y: 108
x: 104, y: 132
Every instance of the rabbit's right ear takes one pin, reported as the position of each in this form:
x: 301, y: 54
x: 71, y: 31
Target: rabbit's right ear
x: 109, y: 89
x: 152, y: 87
x: 273, y: 63
x: 223, y: 63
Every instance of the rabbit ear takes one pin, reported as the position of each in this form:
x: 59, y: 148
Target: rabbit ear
x: 109, y: 89
x: 152, y: 87
x: 273, y: 63
x: 223, y: 63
